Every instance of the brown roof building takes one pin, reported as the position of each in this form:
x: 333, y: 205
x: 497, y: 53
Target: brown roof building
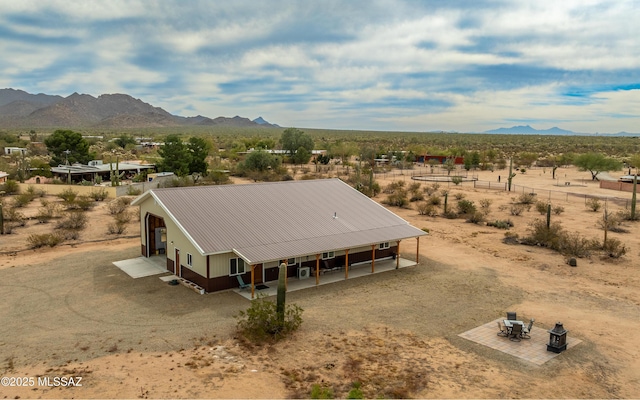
x: 211, y: 234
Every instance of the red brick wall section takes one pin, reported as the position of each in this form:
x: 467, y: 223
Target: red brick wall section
x: 621, y: 186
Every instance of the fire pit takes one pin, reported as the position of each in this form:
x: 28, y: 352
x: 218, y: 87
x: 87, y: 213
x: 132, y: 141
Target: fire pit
x: 557, y: 338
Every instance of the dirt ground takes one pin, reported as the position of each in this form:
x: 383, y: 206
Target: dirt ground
x: 68, y: 312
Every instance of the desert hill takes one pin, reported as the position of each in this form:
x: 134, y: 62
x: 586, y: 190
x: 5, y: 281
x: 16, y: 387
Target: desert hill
x: 21, y: 109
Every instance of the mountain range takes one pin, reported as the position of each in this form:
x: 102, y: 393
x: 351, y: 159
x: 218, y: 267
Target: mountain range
x: 528, y: 130
x: 21, y: 109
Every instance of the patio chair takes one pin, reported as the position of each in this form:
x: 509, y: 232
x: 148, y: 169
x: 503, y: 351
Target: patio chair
x: 503, y: 330
x: 241, y: 283
x: 516, y: 331
x: 527, y: 329
x: 511, y: 315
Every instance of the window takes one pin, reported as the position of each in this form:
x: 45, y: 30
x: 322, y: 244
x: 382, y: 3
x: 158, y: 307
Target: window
x: 291, y: 261
x: 189, y: 260
x: 236, y: 266
x: 384, y: 246
x: 328, y: 255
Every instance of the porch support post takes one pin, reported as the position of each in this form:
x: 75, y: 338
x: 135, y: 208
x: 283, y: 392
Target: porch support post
x: 373, y: 258
x: 398, y: 256
x: 417, y: 249
x: 253, y: 285
x: 317, y: 269
x: 346, y: 264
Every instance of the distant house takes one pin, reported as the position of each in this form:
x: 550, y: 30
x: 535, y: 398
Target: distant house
x: 79, y: 172
x: 3, y: 176
x: 440, y: 159
x: 212, y: 234
x: 14, y: 150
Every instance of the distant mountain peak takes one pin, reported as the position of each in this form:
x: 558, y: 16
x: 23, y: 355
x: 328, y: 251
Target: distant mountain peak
x: 528, y: 130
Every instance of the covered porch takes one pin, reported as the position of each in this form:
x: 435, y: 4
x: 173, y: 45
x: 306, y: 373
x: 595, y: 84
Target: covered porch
x: 355, y: 271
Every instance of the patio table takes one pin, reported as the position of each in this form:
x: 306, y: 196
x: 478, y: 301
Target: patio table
x: 510, y: 322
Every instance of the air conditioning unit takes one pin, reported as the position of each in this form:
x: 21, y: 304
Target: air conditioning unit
x: 303, y: 272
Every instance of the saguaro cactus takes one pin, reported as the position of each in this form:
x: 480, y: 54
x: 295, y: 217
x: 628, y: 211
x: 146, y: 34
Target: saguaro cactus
x: 282, y: 293
x: 511, y: 173
x: 548, y: 216
x: 446, y: 196
x: 633, y: 198
x: 1, y: 221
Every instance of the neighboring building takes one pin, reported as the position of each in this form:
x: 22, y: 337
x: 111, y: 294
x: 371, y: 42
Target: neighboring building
x: 80, y: 172
x: 14, y: 150
x: 210, y: 234
x: 440, y: 159
x: 3, y: 176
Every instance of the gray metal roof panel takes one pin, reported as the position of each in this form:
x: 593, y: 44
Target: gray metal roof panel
x: 270, y: 215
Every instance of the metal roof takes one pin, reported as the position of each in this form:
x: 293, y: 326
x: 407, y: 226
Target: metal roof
x: 271, y: 221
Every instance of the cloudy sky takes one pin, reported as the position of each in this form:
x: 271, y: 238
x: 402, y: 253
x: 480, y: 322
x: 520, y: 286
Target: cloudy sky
x: 466, y: 66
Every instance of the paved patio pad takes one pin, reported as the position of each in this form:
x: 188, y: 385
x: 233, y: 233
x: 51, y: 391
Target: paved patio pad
x: 141, y: 266
x: 533, y: 350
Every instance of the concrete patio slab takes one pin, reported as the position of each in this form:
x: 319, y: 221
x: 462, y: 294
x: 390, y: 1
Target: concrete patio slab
x: 533, y: 350
x: 142, y: 266
x: 355, y: 271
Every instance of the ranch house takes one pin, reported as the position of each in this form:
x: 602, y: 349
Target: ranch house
x: 210, y: 235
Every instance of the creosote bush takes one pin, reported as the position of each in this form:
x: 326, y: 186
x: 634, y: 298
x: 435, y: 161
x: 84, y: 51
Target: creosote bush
x: 541, y: 207
x: 36, y: 241
x: 466, y: 207
x: 75, y: 220
x: 593, y: 204
x: 259, y: 323
x: 557, y: 210
x: 68, y: 195
x: 99, y: 194
x: 527, y: 198
x: 501, y: 223
x: 398, y: 198
x: 425, y: 208
x: 517, y: 209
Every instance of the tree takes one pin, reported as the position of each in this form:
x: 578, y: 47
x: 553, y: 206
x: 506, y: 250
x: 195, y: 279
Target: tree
x: 176, y: 156
x: 260, y: 161
x: 634, y: 161
x: 124, y: 140
x: 292, y: 139
x: 302, y: 156
x: 199, y: 149
x: 68, y: 146
x: 595, y: 163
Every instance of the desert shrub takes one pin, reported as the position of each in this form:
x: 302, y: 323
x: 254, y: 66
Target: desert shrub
x: 10, y: 187
x: 393, y: 187
x: 356, y: 391
x: 126, y: 200
x: 613, y: 223
x: 511, y: 238
x: 476, y: 218
x: 426, y: 208
x: 99, y: 194
x: 68, y: 195
x: 259, y: 322
x: 527, y: 198
x: 593, y: 203
x: 48, y: 211
x: 450, y: 214
x: 614, y: 248
x: 416, y: 196
x: 36, y: 241
x: 116, y: 228
x: 456, y: 180
x: 444, y: 192
x: 459, y: 196
x: 541, y: 207
x: 84, y: 203
x: 398, y: 198
x: 557, y: 210
x: 414, y: 187
x: 429, y: 190
x: 117, y: 206
x: 466, y: 207
x: 501, y: 223
x: 133, y: 191
x: 435, y: 200
x: 541, y: 235
x: 22, y: 199
x: 69, y: 234
x: 12, y: 215
x: 517, y: 209
x: 75, y: 220
x: 321, y: 392
x: 485, y: 205
x: 571, y: 244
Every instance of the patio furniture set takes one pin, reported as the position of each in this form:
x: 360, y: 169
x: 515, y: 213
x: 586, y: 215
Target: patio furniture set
x: 514, y: 329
